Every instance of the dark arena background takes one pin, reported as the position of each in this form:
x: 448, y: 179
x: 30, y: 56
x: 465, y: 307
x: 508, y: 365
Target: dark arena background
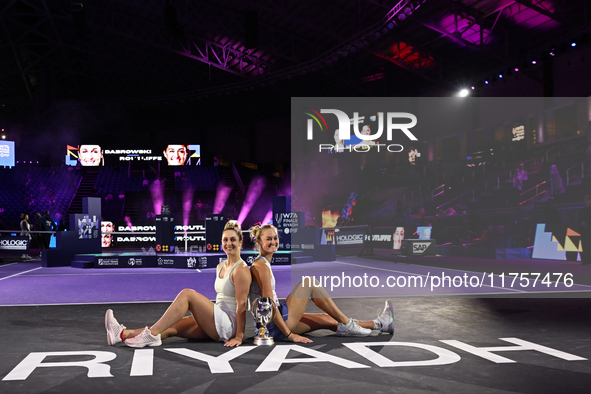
x: 432, y: 152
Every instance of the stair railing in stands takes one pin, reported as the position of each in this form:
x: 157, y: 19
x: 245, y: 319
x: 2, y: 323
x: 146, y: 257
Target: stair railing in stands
x: 573, y: 169
x: 75, y: 193
x: 537, y: 189
x: 435, y: 193
x: 461, y: 197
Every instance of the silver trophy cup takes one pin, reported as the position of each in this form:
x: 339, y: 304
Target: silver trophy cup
x: 263, y: 310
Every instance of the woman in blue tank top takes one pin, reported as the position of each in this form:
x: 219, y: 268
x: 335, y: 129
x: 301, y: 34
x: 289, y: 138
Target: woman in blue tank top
x: 291, y: 318
x: 208, y: 320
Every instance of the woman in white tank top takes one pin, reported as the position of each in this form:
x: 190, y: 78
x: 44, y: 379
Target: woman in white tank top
x: 292, y: 319
x: 207, y: 321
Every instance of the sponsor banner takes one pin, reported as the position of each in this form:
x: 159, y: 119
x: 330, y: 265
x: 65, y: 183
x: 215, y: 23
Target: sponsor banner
x: 413, y: 247
x: 201, y: 261
x: 127, y: 261
x: 304, y: 239
x: 281, y: 259
x: 162, y: 261
x: 288, y: 223
x: 381, y: 237
x: 198, y: 262
x: 110, y: 262
x: 165, y: 261
x: 7, y: 154
x: 354, y: 236
x: 15, y: 244
x: 189, y: 261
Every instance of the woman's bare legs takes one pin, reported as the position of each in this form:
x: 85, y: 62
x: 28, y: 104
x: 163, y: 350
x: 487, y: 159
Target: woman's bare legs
x: 187, y: 328
x: 174, y: 322
x: 301, y: 322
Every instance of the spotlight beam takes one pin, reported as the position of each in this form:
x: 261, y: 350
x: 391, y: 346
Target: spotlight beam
x: 221, y: 196
x: 254, y: 191
x: 268, y: 217
x: 157, y: 191
x: 187, y: 205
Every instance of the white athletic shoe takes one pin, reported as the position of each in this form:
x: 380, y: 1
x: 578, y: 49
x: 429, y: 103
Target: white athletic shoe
x: 144, y: 339
x: 385, y: 319
x: 113, y: 327
x: 352, y: 329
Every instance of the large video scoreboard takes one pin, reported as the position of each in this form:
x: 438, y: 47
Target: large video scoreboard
x: 92, y: 155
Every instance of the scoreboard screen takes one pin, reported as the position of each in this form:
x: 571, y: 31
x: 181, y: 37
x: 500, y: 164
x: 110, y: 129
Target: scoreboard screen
x: 92, y: 155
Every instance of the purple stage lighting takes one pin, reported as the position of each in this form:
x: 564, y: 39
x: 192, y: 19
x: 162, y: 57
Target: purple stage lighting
x: 221, y: 197
x: 268, y: 217
x: 157, y: 191
x: 254, y: 191
x: 187, y: 205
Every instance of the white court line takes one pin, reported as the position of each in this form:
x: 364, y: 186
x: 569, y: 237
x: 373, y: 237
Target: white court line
x: 186, y: 272
x: 20, y: 273
x: 457, y: 295
x: 97, y: 303
x: 6, y: 265
x: 417, y: 265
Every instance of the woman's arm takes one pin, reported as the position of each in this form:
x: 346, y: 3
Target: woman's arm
x: 241, y: 278
x: 262, y: 275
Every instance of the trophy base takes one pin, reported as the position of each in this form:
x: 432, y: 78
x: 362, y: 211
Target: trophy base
x: 268, y: 341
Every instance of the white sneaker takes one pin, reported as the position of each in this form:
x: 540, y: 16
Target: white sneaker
x: 144, y: 339
x: 352, y: 329
x: 385, y: 319
x: 113, y: 327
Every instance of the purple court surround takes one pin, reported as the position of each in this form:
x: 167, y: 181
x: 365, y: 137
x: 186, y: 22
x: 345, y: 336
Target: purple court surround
x: 31, y: 284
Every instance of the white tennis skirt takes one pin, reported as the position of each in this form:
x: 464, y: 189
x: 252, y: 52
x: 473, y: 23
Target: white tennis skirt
x: 225, y: 322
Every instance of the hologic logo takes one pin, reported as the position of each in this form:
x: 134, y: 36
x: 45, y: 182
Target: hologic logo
x: 350, y: 237
x: 367, y: 138
x: 13, y: 242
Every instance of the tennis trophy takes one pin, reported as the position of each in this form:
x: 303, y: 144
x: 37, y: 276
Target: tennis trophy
x: 263, y: 310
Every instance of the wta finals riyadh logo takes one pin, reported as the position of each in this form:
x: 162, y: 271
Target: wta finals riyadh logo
x: 363, y: 140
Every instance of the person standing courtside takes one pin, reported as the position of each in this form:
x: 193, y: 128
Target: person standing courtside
x: 585, y: 230
x: 25, y: 231
x: 46, y: 224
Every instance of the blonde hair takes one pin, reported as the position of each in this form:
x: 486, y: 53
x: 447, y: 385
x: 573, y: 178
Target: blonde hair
x: 257, y: 231
x: 233, y: 225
